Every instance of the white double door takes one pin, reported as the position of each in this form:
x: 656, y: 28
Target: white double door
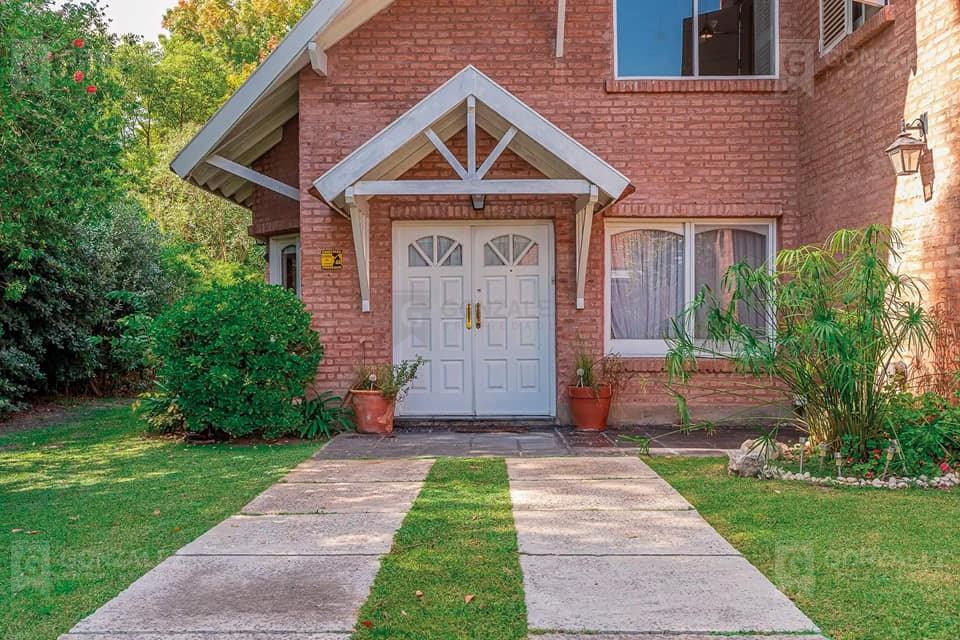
x: 476, y: 302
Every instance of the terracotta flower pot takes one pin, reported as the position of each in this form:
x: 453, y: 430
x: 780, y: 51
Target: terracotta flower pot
x: 373, y: 412
x: 590, y: 408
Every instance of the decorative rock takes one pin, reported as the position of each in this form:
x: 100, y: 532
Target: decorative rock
x: 745, y: 464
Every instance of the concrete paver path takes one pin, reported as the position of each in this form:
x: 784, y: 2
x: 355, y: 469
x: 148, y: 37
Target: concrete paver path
x: 608, y: 547
x: 298, y: 563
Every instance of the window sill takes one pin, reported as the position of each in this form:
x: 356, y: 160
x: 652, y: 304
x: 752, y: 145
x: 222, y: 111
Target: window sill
x: 856, y: 40
x: 696, y: 85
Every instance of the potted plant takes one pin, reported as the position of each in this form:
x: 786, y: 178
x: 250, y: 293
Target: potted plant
x: 377, y: 391
x: 596, y: 383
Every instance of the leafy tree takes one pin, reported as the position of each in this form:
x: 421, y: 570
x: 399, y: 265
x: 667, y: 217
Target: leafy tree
x: 79, y: 261
x: 60, y: 126
x: 166, y: 89
x: 193, y: 83
x: 240, y: 31
x: 135, y: 68
x: 198, y: 218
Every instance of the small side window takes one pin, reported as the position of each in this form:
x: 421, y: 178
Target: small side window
x: 284, y: 262
x: 289, y: 259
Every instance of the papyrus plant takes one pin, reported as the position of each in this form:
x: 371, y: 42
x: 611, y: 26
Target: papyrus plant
x: 838, y: 318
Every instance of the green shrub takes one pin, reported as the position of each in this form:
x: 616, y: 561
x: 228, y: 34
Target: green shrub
x: 160, y: 411
x: 236, y: 358
x: 325, y: 416
x: 74, y: 318
x: 927, y: 428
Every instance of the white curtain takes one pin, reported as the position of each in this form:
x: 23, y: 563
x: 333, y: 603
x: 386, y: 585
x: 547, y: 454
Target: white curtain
x: 716, y: 251
x: 646, y: 286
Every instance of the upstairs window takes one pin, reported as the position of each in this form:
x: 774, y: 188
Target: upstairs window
x: 840, y: 18
x: 696, y: 38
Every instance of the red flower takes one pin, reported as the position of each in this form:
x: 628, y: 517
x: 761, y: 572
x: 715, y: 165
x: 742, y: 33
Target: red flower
x: 869, y: 475
x: 91, y: 89
x: 944, y: 467
x: 78, y: 43
x: 78, y: 76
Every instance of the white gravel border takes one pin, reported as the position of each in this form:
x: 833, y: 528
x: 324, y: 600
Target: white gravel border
x: 946, y: 481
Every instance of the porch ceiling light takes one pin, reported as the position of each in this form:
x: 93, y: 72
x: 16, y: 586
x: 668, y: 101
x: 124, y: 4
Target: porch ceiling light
x: 907, y: 150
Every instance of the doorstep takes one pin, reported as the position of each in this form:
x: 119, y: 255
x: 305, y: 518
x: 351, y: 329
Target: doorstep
x: 458, y: 438
x: 476, y: 425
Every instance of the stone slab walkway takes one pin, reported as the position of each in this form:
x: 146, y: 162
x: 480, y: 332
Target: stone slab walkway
x: 608, y: 547
x: 298, y: 563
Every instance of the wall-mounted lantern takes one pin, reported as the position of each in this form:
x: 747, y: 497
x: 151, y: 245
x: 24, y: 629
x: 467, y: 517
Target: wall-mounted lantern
x: 907, y: 150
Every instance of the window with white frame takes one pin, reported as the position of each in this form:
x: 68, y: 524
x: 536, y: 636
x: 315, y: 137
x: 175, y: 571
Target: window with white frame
x: 840, y: 18
x: 284, y: 259
x: 654, y: 270
x: 695, y: 38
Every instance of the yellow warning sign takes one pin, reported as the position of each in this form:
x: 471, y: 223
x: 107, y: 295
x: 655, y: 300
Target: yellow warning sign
x: 331, y: 260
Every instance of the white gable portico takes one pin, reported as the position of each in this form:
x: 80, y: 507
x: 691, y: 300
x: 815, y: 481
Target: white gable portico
x: 465, y: 102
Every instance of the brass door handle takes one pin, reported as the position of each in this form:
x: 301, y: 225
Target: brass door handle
x: 469, y: 317
x: 478, y: 315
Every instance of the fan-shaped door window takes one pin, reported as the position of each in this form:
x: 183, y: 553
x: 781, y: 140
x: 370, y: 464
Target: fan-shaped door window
x: 435, y: 251
x: 511, y: 250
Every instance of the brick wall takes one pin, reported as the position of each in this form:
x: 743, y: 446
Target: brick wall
x: 274, y: 214
x: 904, y: 63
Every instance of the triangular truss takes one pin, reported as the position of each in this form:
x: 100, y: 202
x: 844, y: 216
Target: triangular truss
x: 467, y: 101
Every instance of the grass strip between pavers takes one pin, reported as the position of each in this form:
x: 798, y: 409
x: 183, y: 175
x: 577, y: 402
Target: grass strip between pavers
x: 453, y: 571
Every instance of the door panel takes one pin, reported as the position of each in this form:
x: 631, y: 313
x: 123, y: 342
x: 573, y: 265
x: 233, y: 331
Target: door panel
x: 431, y: 287
x: 501, y: 365
x: 512, y: 283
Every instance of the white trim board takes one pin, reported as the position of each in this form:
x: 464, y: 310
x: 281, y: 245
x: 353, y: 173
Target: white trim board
x: 257, y: 178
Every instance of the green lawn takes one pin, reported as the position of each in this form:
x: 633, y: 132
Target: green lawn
x: 457, y: 541
x: 88, y: 506
x: 865, y: 564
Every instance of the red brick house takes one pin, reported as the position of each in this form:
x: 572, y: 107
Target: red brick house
x: 485, y: 183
